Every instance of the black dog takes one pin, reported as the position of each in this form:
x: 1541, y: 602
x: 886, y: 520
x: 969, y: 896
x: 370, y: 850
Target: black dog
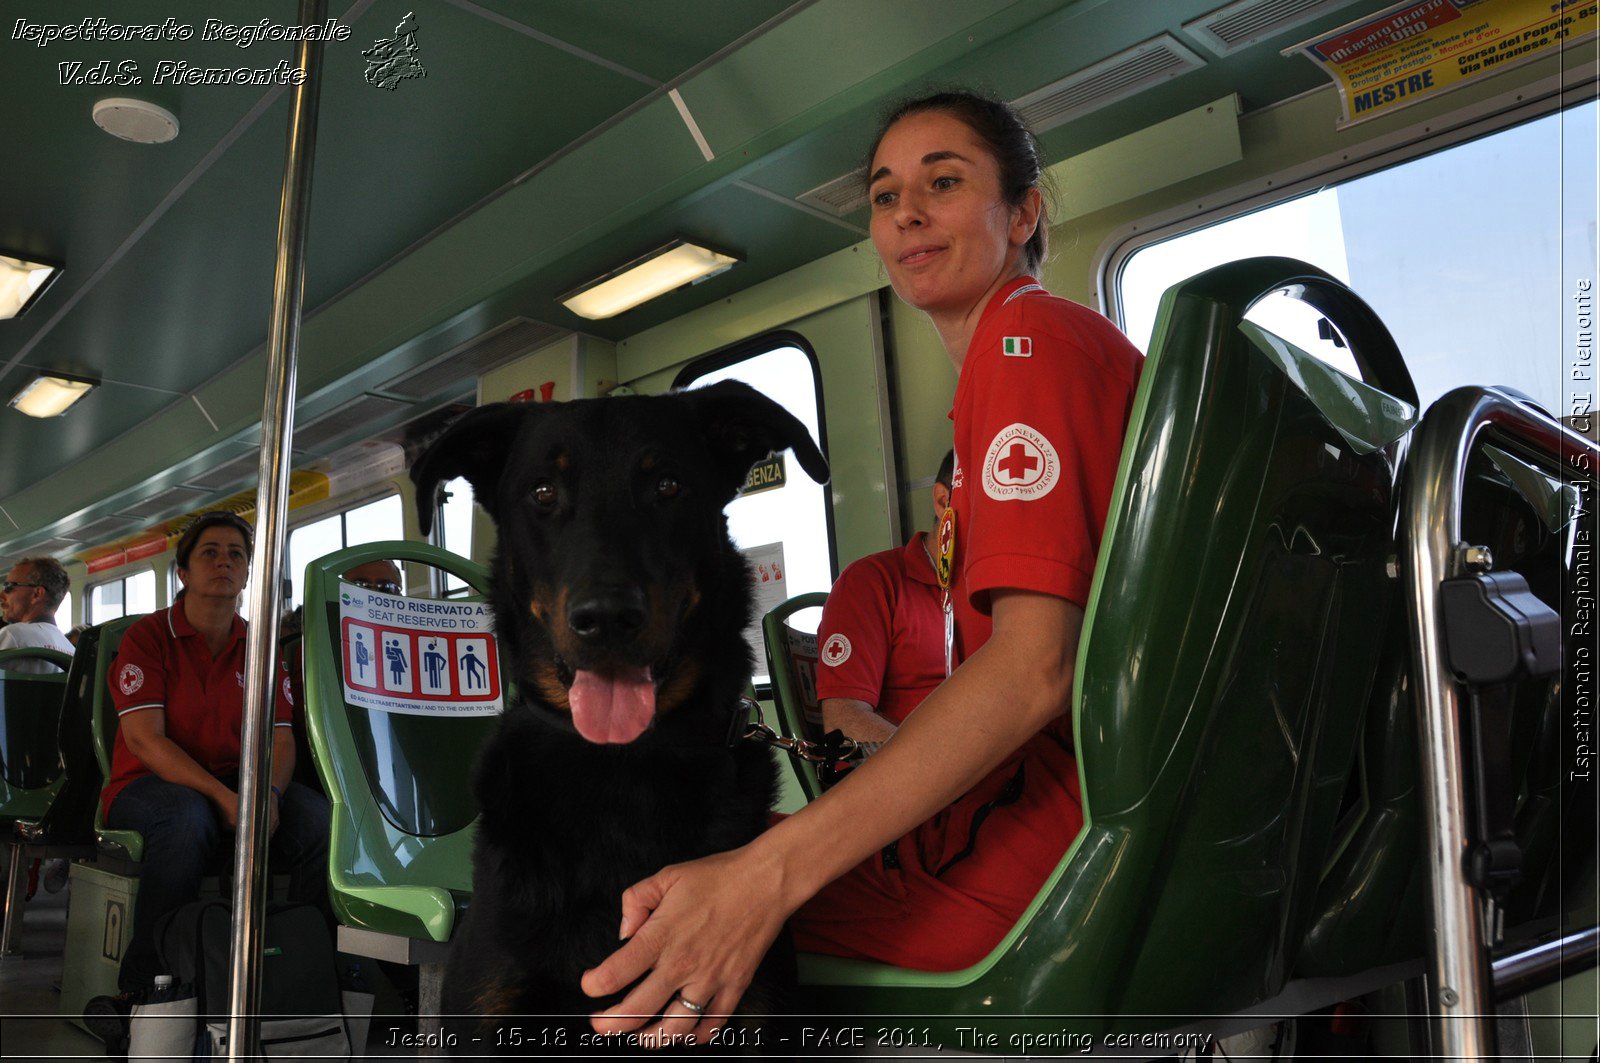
x: 621, y: 601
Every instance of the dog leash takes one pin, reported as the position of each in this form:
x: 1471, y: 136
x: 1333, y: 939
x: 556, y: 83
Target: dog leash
x: 834, y: 747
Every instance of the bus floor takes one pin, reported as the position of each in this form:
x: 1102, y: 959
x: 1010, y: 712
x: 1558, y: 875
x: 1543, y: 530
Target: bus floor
x: 31, y: 1026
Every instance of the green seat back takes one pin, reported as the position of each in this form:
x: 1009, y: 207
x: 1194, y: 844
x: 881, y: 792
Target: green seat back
x: 1371, y: 909
x: 30, y: 713
x: 70, y: 817
x: 291, y: 654
x: 794, y: 681
x: 399, y: 858
x: 1228, y: 654
x: 125, y: 843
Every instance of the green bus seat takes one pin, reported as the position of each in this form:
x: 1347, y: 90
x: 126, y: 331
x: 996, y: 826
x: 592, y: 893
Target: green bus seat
x: 69, y: 821
x: 104, y: 882
x: 1228, y: 656
x: 30, y: 762
x: 30, y: 712
x: 400, y: 854
x: 122, y: 845
x: 291, y: 654
x: 1371, y: 908
x: 1523, y: 517
x: 792, y: 664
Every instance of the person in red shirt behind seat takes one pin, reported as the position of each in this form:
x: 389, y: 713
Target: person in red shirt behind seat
x: 881, y: 639
x: 178, y: 686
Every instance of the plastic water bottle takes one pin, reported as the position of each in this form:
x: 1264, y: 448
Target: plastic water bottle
x: 163, y: 991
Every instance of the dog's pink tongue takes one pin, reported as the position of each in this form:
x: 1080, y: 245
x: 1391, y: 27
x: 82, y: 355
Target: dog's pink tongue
x: 612, y: 709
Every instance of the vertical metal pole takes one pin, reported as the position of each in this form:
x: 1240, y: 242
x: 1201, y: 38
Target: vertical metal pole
x: 272, y: 495
x: 1457, y: 969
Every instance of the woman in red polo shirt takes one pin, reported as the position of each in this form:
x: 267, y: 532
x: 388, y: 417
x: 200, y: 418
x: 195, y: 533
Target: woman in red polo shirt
x: 178, y: 685
x: 976, y: 797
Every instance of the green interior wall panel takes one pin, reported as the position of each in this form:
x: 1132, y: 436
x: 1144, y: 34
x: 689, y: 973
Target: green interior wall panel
x: 925, y: 387
x: 845, y: 274
x: 1274, y: 140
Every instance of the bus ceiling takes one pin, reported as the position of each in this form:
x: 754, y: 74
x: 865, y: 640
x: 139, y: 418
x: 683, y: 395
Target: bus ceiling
x: 477, y: 163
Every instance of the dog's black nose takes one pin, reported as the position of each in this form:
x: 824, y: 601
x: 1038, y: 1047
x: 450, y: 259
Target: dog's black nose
x: 609, y: 615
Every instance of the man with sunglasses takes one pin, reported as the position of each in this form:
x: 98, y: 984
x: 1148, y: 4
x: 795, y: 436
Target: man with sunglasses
x: 381, y: 576
x: 33, y: 591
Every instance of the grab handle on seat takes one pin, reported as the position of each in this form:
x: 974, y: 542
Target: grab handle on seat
x: 1240, y: 285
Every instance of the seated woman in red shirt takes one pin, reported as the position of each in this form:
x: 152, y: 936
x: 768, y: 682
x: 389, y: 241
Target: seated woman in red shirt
x: 882, y: 634
x: 178, y: 685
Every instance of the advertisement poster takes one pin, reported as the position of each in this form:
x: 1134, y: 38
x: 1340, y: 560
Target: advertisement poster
x: 1416, y: 50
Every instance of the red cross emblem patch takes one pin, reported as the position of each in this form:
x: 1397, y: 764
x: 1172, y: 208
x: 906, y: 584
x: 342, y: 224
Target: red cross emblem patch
x: 836, y: 650
x: 131, y: 678
x: 1021, y: 463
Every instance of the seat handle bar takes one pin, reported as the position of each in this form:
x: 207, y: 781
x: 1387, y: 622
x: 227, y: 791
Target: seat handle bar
x: 1462, y: 997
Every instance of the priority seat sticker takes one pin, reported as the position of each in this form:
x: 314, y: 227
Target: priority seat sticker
x: 418, y: 656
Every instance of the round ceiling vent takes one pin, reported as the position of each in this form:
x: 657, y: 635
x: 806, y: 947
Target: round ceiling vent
x: 136, y: 120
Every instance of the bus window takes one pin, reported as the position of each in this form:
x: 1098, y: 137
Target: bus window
x: 1463, y: 253
x: 64, y: 612
x: 125, y: 596
x: 784, y: 531
x: 374, y: 522
x: 452, y: 529
x: 371, y: 522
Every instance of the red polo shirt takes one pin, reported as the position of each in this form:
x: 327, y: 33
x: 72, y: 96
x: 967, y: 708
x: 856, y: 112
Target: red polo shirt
x: 164, y: 663
x: 881, y: 638
x: 1041, y: 408
x: 1042, y: 405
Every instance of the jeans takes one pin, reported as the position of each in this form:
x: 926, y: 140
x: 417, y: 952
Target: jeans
x: 184, y: 839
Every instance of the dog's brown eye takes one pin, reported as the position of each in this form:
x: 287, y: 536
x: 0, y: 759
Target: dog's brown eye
x: 667, y: 487
x: 544, y: 493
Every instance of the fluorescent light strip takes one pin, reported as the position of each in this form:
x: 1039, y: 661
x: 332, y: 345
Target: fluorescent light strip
x: 50, y: 396
x: 19, y: 280
x: 658, y: 273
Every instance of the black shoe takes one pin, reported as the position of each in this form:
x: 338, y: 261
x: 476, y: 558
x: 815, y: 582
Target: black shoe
x: 107, y: 1019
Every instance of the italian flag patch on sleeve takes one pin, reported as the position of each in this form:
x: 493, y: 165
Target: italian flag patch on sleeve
x: 1017, y: 346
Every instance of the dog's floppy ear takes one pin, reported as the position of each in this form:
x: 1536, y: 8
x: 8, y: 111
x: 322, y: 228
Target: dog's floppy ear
x: 744, y: 426
x: 475, y: 446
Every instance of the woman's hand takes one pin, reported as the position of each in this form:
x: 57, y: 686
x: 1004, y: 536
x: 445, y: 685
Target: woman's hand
x: 700, y: 929
x: 227, y: 803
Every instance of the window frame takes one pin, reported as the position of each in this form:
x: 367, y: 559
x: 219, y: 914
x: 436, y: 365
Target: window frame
x: 439, y: 578
x: 336, y: 508
x: 752, y: 347
x: 744, y: 350
x: 1513, y: 107
x: 121, y: 574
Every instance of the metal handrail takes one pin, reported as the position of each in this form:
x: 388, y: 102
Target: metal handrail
x: 272, y: 492
x: 1549, y: 961
x: 1462, y: 997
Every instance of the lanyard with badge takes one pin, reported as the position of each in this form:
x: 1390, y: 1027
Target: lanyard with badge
x: 944, y: 567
